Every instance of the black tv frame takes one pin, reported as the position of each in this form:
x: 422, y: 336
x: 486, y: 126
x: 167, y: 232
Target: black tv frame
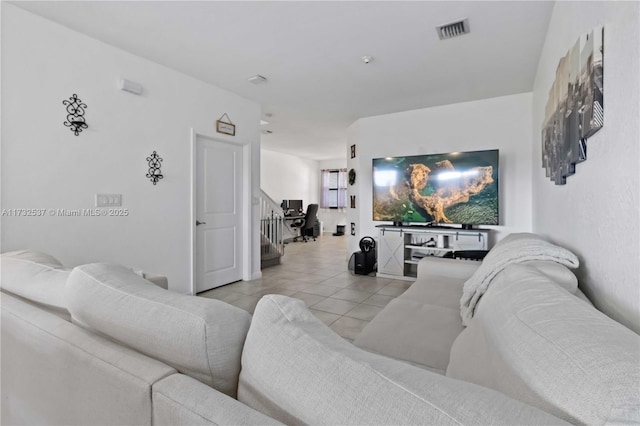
x: 454, y: 158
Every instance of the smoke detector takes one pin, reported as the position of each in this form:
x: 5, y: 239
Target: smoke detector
x: 367, y: 59
x: 454, y: 29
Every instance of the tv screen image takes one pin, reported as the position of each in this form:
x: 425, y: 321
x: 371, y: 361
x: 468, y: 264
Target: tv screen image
x: 459, y: 188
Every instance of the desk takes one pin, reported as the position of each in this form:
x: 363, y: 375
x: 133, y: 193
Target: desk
x: 291, y: 224
x: 293, y: 219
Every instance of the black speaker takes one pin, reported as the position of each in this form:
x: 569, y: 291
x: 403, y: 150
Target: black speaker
x: 364, y: 262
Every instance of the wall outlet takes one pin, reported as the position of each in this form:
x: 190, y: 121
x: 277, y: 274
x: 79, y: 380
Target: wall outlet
x: 108, y: 200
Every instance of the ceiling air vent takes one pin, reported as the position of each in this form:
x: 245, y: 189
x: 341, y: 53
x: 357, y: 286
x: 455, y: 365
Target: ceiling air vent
x: 453, y: 29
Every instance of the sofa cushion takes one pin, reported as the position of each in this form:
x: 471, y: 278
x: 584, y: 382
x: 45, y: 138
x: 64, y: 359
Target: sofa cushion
x: 534, y: 341
x: 298, y: 371
x: 436, y: 290
x: 557, y: 273
x: 181, y: 400
x: 35, y: 257
x: 35, y: 276
x: 514, y: 249
x: 443, y: 267
x: 54, y: 373
x: 199, y: 337
x: 413, y: 331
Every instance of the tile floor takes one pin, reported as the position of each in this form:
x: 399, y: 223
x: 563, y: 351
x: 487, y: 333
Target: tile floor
x: 316, y: 273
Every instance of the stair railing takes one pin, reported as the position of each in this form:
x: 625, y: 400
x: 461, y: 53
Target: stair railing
x: 271, y: 227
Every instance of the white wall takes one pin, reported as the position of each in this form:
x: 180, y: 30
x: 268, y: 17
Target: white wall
x: 502, y: 123
x: 596, y: 213
x: 45, y: 166
x: 288, y: 177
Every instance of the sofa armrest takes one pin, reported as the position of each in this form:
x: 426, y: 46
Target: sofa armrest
x: 54, y: 372
x: 453, y: 268
x: 182, y: 400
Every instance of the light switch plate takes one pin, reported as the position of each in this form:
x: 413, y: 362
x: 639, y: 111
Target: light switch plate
x: 108, y: 200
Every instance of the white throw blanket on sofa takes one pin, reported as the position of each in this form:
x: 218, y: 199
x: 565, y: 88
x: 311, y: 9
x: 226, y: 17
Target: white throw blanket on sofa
x: 515, y: 248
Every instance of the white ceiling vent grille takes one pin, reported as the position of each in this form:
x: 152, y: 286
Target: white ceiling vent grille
x: 453, y: 29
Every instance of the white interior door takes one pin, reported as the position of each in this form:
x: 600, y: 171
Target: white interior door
x: 218, y: 213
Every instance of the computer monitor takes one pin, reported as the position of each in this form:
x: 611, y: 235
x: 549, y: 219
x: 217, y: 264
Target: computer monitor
x: 295, y: 205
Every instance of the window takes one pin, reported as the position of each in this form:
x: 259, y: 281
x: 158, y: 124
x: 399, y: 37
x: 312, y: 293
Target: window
x: 334, y: 188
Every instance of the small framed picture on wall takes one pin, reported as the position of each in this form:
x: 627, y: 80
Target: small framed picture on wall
x: 352, y: 201
x: 226, y: 128
x: 353, y: 151
x: 353, y: 229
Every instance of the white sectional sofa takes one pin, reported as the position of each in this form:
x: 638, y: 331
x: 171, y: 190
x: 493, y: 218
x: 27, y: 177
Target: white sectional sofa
x: 115, y: 349
x: 534, y: 335
x: 101, y: 345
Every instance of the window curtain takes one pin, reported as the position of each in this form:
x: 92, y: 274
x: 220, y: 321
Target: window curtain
x: 342, y: 188
x: 324, y: 196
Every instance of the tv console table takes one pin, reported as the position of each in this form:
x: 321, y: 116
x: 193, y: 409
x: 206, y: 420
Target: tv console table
x: 400, y: 248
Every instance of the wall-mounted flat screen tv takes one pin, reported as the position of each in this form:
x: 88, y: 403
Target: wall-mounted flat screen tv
x: 458, y: 188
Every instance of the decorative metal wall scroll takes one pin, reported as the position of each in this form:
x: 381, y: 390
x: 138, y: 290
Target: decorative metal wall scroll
x: 75, y: 114
x: 154, y: 174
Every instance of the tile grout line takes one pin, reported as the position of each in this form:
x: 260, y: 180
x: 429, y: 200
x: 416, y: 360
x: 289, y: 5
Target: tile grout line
x: 283, y: 279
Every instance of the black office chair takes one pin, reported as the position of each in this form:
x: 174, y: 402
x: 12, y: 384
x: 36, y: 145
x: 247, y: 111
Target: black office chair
x: 306, y: 225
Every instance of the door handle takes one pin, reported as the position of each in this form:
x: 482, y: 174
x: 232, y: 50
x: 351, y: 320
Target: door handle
x: 200, y: 223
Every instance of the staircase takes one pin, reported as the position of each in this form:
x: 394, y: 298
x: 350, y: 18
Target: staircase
x: 272, y: 228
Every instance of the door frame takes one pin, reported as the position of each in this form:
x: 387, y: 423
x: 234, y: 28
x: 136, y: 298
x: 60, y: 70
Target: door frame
x: 245, y: 205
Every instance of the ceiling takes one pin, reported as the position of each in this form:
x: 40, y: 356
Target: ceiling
x: 310, y: 53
